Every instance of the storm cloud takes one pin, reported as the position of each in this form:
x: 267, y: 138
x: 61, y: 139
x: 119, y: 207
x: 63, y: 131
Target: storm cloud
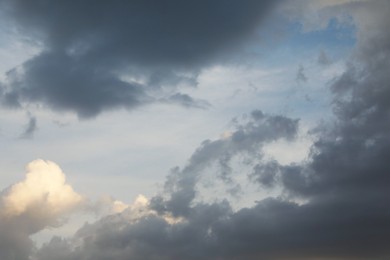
x: 344, y: 183
x: 332, y: 205
x: 99, y: 55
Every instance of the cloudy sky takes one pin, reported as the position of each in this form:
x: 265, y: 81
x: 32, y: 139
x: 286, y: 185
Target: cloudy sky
x: 223, y: 129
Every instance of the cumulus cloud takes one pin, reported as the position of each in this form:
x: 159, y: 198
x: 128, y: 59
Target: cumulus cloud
x: 39, y: 201
x: 94, y: 51
x: 45, y: 188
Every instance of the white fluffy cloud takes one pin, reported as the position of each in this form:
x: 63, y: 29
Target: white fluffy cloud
x: 41, y: 200
x: 44, y: 187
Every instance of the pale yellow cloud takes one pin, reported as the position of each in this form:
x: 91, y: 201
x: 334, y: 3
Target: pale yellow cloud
x: 43, y: 192
x: 139, y: 209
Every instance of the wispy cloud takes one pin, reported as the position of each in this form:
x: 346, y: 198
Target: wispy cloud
x: 30, y: 128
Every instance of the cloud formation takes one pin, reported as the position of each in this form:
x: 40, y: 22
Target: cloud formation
x: 99, y: 55
x: 30, y: 128
x: 334, y: 205
x: 39, y: 201
x: 343, y: 186
x: 247, y: 139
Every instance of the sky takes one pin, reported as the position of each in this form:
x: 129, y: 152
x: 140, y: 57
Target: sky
x: 176, y: 129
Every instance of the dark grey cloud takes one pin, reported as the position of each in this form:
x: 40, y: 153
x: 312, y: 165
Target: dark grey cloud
x: 14, y: 243
x: 89, y: 47
x: 273, y: 229
x: 247, y: 140
x: 60, y: 82
x: 349, y: 157
x: 162, y: 240
x: 265, y: 173
x: 344, y: 185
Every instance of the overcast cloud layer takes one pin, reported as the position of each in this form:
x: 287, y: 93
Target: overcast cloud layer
x: 333, y: 205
